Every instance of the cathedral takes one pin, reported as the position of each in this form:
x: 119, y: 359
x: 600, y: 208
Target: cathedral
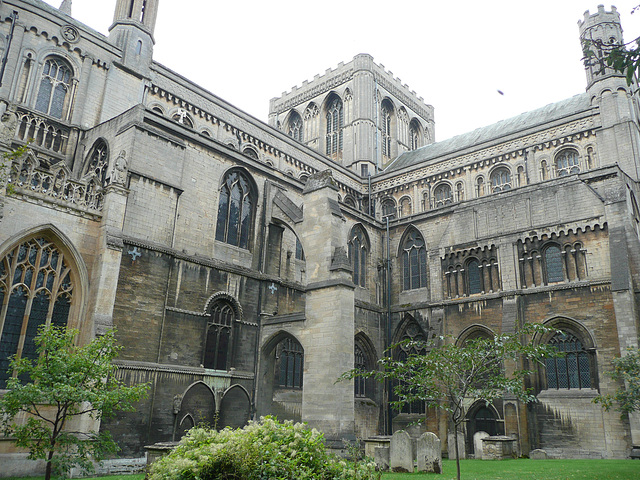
x: 246, y: 265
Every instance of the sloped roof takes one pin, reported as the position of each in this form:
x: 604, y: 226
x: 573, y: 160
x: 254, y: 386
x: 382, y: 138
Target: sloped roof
x: 503, y: 128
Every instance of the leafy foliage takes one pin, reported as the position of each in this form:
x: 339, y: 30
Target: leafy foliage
x: 451, y: 376
x: 5, y: 165
x: 264, y: 450
x: 63, y: 382
x: 627, y: 398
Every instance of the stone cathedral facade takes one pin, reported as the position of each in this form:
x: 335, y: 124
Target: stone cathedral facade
x: 247, y: 265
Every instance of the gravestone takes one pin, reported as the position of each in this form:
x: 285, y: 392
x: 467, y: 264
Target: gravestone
x: 401, y: 452
x: 477, y: 443
x: 538, y: 454
x: 381, y: 457
x: 451, y: 447
x: 429, y: 453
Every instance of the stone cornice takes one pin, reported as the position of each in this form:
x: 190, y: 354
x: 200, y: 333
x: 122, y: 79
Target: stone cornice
x: 180, y: 369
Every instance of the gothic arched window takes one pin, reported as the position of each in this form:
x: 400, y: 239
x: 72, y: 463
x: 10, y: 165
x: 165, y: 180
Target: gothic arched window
x: 386, y: 111
x: 358, y: 247
x: 55, y: 86
x: 414, y: 261
x: 443, y: 195
x: 36, y: 288
x: 500, y: 180
x: 98, y: 162
x: 480, y: 186
x: 294, y: 129
x: 414, y: 135
x: 290, y: 358
x: 235, y: 210
x: 335, y: 124
x: 573, y: 368
x: 360, y: 364
x: 553, y: 264
x: 217, y: 350
x: 567, y: 162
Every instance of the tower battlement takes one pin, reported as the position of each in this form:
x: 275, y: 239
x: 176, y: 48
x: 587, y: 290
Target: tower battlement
x: 602, y: 16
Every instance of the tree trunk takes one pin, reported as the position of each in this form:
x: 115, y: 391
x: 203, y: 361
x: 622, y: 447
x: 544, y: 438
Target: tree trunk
x: 455, y: 440
x: 47, y: 473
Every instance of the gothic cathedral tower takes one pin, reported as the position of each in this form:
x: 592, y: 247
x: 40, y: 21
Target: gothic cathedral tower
x: 134, y: 22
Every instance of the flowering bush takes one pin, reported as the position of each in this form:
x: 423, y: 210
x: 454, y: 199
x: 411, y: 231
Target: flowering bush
x: 264, y: 450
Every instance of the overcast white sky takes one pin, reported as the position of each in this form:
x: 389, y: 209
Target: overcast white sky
x: 454, y: 54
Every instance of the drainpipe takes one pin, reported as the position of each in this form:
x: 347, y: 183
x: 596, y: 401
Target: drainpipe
x: 9, y: 39
x: 388, y: 339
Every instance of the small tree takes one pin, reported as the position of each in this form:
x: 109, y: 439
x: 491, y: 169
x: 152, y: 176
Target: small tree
x: 450, y: 376
x: 63, y: 382
x: 627, y: 398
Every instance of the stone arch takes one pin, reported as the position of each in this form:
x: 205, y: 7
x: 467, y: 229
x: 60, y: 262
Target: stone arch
x: 235, y: 407
x: 481, y: 417
x: 157, y: 108
x: 251, y: 152
x: 235, y: 304
x: 474, y: 331
x: 197, y: 407
x: 96, y: 163
x: 406, y: 206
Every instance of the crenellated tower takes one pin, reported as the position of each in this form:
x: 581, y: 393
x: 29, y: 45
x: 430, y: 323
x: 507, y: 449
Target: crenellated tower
x: 134, y: 22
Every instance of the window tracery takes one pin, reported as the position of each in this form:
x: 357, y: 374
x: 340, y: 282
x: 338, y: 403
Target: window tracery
x: 219, y: 336
x: 98, y: 164
x: 567, y: 162
x: 442, y: 195
x: 295, y: 127
x: 573, y: 368
x: 385, y: 114
x: 36, y: 288
x: 414, y: 261
x: 500, y: 180
x: 235, y: 210
x: 54, y: 94
x: 290, y: 359
x: 414, y: 135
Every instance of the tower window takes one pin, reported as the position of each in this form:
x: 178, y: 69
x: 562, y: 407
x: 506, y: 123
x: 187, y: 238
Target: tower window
x: 335, y: 124
x: 358, y: 247
x: 295, y: 127
x: 386, y: 112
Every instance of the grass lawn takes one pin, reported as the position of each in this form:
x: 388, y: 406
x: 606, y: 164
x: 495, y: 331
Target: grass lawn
x: 531, y: 470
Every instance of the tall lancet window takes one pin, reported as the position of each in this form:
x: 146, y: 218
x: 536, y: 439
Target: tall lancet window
x: 335, y: 124
x: 54, y: 93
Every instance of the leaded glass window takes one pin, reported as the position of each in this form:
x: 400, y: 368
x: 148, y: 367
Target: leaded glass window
x: 36, y: 289
x: 414, y: 261
x: 55, y: 85
x: 299, y: 251
x: 567, y: 162
x: 295, y: 127
x: 290, y: 357
x: 360, y: 364
x: 358, y: 255
x: 219, y: 333
x: 443, y: 195
x: 335, y: 124
x: 553, y: 264
x: 98, y: 163
x: 474, y: 276
x: 235, y: 210
x: 500, y: 180
x: 573, y: 369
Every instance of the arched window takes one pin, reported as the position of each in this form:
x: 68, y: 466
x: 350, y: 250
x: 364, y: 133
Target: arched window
x: 500, y: 180
x: 414, y: 261
x: 405, y: 207
x: 544, y: 170
x: 55, y: 86
x: 294, y: 129
x: 412, y: 341
x: 480, y: 186
x: 553, y: 264
x: 522, y: 181
x: 358, y: 247
x: 36, y: 288
x: 567, y: 162
x: 250, y: 152
x: 217, y: 350
x: 474, y: 277
x: 573, y: 369
x: 459, y: 192
x: 235, y: 210
x: 443, y: 195
x: 183, y: 117
x: 414, y: 135
x: 386, y: 111
x: 290, y: 358
x: 360, y: 364
x: 335, y: 124
x: 98, y: 162
x: 389, y: 208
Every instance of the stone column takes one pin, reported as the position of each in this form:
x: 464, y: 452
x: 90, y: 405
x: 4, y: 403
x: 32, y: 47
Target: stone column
x: 328, y: 338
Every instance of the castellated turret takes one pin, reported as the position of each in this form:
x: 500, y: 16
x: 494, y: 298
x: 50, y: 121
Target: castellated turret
x: 133, y: 24
x: 597, y: 33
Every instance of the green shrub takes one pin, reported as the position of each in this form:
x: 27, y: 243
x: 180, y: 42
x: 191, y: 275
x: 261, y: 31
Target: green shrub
x: 264, y: 450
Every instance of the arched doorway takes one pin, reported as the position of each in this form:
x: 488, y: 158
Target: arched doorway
x: 482, y: 418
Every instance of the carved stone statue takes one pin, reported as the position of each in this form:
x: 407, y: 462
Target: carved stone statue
x: 119, y: 172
